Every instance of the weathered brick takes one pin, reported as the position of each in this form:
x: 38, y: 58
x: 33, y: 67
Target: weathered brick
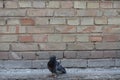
x: 92, y: 5
x: 11, y: 4
x: 82, y: 38
x: 24, y: 4
x: 96, y: 54
x: 66, y: 4
x: 70, y: 54
x: 89, y: 13
x: 105, y: 4
x: 41, y: 21
x: 101, y: 63
x: 58, y: 54
x: 28, y: 55
x: 68, y: 38
x: 116, y: 4
x: 87, y: 21
x: 40, y: 38
x: 110, y: 12
x: 40, y: 12
x: 89, y: 29
x: 47, y: 54
x: 118, y: 54
x: 1, y: 4
x: 39, y: 64
x: 111, y: 37
x: 109, y: 54
x: 114, y: 20
x: 14, y: 29
x: 4, y: 55
x: 3, y: 29
x: 13, y: 12
x: 73, y: 21
x: 8, y: 38
x: 4, y: 46
x: 54, y: 38
x: 19, y: 64
x: 13, y: 22
x: 9, y: 29
x: 2, y: 21
x: 15, y: 56
x: 117, y: 62
x: 40, y: 29
x: 107, y: 45
x: 96, y: 38
x: 24, y: 46
x: 83, y: 54
x: 53, y: 4
x: 21, y: 29
x: 27, y: 22
x: 39, y: 4
x: 74, y: 63
x: 25, y: 38
x: 57, y: 21
x: 79, y: 4
x: 80, y: 46
x: 111, y: 29
x: 101, y: 20
x: 52, y: 46
x: 65, y: 29
x: 43, y: 55
x: 64, y: 12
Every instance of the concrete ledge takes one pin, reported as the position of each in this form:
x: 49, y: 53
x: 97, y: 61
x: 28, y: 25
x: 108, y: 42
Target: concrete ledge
x: 72, y: 74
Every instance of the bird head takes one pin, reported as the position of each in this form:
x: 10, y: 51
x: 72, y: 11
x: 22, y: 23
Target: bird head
x: 53, y: 58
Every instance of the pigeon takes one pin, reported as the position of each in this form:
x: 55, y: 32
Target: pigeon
x: 55, y: 67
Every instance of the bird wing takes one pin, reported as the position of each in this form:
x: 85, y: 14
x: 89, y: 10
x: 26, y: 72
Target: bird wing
x: 60, y: 69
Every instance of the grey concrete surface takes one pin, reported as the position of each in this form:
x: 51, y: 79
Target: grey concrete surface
x: 72, y: 74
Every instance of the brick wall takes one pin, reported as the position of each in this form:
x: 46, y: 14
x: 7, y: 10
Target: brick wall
x: 86, y: 33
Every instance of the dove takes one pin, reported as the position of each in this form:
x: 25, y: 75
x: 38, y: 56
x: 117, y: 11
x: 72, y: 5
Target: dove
x: 55, y: 67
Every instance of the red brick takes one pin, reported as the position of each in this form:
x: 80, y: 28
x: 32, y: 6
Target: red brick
x: 26, y: 38
x: 95, y: 38
x: 111, y: 29
x: 66, y: 4
x: 89, y: 29
x: 106, y: 4
x: 109, y: 54
x: 4, y: 55
x: 40, y: 38
x: 27, y: 22
x: 65, y: 29
x: 112, y: 37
